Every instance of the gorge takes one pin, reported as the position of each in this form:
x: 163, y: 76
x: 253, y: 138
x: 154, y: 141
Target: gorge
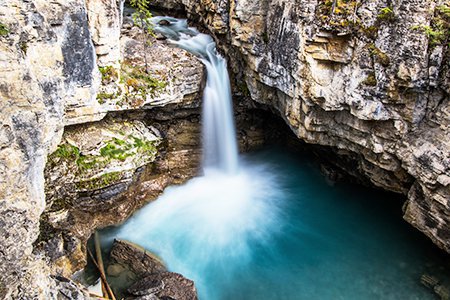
x: 364, y: 83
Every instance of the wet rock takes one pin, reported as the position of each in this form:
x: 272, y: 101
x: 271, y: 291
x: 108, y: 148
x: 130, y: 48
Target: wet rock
x: 164, y: 23
x: 146, y: 286
x: 154, y: 281
x: 135, y: 258
x: 175, y: 286
x: 429, y: 280
x: 115, y: 270
x: 67, y: 289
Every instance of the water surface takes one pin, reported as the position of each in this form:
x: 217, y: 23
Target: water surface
x: 278, y: 230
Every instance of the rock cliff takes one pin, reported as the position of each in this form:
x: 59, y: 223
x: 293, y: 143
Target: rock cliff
x: 64, y: 66
x: 368, y: 78
x: 363, y: 78
x: 47, y: 64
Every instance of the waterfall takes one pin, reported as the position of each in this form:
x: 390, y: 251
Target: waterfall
x: 220, y: 151
x: 215, y: 220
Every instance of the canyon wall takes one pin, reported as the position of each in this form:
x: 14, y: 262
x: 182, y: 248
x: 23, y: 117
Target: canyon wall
x: 364, y: 80
x: 65, y: 66
x: 370, y: 79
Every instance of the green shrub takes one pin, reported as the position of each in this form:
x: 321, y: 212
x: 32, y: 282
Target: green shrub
x: 386, y: 14
x: 109, y: 74
x: 439, y: 28
x: 3, y: 29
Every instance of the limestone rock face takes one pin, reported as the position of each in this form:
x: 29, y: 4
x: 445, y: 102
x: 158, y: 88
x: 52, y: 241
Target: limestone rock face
x: 364, y: 80
x: 105, y: 22
x: 50, y: 54
x: 47, y: 61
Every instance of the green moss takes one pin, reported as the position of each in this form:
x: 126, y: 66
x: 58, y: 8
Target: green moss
x: 100, y: 182
x: 370, y: 80
x: 86, y: 162
x: 379, y: 55
x: 438, y: 31
x: 115, y: 151
x: 72, y: 154
x: 138, y: 82
x: 3, y: 30
x: 436, y: 37
x: 340, y: 17
x: 103, y: 97
x: 386, y: 14
x: 342, y: 7
x: 147, y: 147
x: 109, y: 74
x: 444, y: 10
x: 23, y: 47
x: 121, y: 149
x: 243, y: 88
x: 370, y: 31
x: 84, y: 166
x: 66, y: 151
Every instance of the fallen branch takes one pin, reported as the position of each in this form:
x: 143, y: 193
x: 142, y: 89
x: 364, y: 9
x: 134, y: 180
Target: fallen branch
x: 101, y: 267
x: 97, y: 296
x: 102, y: 276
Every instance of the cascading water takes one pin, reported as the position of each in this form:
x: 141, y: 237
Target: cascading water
x: 219, y: 135
x: 218, y: 215
x: 267, y: 226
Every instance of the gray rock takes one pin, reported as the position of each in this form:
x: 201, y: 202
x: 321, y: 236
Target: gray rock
x: 175, y: 286
x: 146, y: 286
x: 137, y: 259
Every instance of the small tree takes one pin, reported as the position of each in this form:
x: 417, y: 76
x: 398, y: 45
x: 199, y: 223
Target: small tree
x: 140, y: 18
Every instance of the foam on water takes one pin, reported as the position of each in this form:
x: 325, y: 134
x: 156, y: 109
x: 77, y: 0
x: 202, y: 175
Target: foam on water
x: 213, y: 221
x: 220, y: 149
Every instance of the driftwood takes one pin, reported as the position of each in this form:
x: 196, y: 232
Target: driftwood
x: 100, y: 267
x: 97, y: 296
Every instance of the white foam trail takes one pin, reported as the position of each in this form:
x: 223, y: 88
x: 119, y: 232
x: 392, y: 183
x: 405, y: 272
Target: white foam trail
x: 220, y: 149
x: 221, y: 214
x: 213, y: 220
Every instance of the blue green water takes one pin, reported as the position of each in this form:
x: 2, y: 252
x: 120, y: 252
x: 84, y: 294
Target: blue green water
x: 279, y: 230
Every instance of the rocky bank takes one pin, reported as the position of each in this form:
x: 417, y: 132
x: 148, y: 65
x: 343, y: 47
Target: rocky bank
x: 85, y: 128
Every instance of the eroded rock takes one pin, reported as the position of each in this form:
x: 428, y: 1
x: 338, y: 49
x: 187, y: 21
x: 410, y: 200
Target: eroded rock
x: 175, y: 286
x: 135, y: 258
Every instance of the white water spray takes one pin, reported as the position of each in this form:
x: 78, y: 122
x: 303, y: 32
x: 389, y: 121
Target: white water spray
x: 222, y: 213
x: 219, y: 135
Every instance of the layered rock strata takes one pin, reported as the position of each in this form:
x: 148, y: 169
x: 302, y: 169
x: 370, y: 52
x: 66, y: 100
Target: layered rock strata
x: 58, y: 60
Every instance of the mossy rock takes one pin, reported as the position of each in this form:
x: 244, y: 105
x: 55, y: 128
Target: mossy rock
x: 370, y: 80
